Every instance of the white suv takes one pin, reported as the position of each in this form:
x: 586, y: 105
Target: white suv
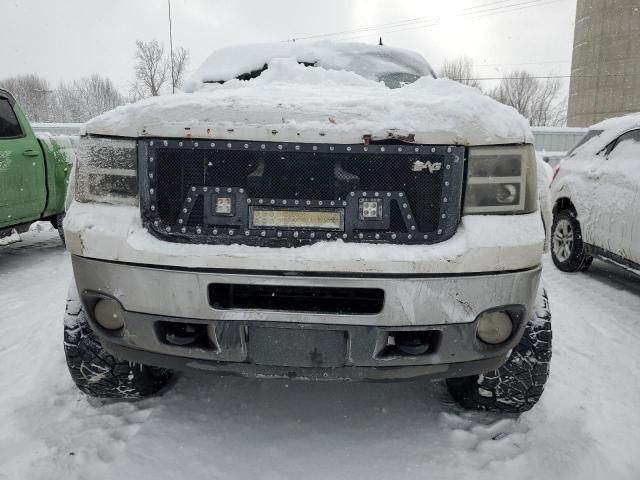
x: 596, y: 198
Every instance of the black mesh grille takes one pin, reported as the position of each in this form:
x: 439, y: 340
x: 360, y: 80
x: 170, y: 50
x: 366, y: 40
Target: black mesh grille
x: 421, y: 184
x: 394, y: 172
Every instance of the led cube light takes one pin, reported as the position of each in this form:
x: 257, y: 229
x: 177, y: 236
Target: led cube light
x: 224, y: 206
x: 370, y: 209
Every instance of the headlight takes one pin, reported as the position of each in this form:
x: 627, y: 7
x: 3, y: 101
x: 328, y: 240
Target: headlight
x: 106, y: 171
x: 501, y: 180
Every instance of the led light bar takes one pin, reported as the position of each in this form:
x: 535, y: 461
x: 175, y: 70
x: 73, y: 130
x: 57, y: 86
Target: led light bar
x: 320, y: 219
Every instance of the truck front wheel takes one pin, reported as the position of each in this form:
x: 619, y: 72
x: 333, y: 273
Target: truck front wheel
x: 518, y: 384
x: 94, y: 370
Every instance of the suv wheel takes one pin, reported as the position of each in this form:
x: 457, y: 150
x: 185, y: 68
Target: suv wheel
x: 567, y: 249
x: 94, y: 370
x: 518, y: 384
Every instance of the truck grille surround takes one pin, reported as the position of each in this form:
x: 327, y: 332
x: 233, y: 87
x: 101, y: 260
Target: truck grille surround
x: 288, y: 194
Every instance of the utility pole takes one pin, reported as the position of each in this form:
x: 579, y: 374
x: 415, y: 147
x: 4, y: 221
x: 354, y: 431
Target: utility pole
x: 173, y: 78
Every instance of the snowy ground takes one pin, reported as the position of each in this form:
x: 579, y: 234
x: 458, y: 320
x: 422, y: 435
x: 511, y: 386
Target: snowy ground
x: 587, y: 425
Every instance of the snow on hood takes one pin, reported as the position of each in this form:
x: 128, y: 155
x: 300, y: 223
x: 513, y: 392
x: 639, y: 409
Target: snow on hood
x: 293, y: 102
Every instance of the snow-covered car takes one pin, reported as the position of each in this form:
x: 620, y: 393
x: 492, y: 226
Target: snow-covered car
x: 317, y: 211
x: 596, y: 198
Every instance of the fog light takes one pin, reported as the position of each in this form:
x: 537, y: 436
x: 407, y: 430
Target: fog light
x: 494, y: 327
x: 224, y: 206
x: 370, y: 209
x: 108, y: 313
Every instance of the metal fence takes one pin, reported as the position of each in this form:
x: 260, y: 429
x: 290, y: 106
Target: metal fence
x: 556, y: 140
x: 57, y: 128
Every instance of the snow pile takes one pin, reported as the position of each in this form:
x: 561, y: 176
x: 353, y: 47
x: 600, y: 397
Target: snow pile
x: 9, y: 239
x: 369, y: 61
x: 293, y: 102
x: 38, y: 227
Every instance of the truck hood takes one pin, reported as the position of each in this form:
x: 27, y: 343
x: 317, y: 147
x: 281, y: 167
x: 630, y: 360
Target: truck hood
x: 292, y: 102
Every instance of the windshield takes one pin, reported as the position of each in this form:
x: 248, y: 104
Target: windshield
x: 391, y: 80
x: 398, y: 79
x: 589, y: 135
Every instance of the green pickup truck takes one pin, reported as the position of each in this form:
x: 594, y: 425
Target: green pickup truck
x: 34, y: 171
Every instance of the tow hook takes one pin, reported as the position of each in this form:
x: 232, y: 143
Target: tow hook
x: 186, y: 335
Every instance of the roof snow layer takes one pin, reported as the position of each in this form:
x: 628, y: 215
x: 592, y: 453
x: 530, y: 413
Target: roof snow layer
x: 324, y: 103
x: 369, y: 61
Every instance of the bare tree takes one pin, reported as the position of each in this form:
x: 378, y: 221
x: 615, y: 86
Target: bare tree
x: 180, y: 62
x: 460, y: 69
x: 34, y: 95
x: 86, y: 98
x: 152, y: 70
x: 536, y: 99
x: 136, y: 92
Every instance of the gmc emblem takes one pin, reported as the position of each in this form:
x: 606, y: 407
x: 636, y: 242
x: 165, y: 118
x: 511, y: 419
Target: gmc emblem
x: 419, y: 166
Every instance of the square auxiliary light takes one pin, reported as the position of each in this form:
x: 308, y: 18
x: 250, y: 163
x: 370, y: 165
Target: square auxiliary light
x: 224, y: 205
x: 370, y: 209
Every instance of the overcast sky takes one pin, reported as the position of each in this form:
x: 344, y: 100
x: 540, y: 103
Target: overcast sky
x: 67, y: 39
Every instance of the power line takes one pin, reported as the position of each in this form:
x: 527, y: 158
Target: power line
x: 405, y: 22
x: 364, y: 29
x: 519, y: 64
x: 508, y: 8
x: 426, y: 22
x: 546, y: 77
x: 487, y: 13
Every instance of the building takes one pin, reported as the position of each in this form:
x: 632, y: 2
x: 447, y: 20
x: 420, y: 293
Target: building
x: 605, y: 68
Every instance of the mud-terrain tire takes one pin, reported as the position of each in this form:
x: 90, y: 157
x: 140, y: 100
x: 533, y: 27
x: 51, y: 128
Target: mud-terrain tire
x: 95, y: 371
x: 567, y: 248
x: 517, y: 385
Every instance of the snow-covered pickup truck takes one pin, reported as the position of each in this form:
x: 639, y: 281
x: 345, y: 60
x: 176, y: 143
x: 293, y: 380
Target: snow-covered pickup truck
x: 317, y: 211
x: 34, y: 171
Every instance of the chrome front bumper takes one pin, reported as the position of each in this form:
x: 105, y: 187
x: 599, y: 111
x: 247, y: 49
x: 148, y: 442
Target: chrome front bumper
x: 243, y: 341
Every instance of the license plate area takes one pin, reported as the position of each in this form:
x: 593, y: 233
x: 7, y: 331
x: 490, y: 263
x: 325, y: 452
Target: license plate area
x: 331, y: 219
x: 297, y: 347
